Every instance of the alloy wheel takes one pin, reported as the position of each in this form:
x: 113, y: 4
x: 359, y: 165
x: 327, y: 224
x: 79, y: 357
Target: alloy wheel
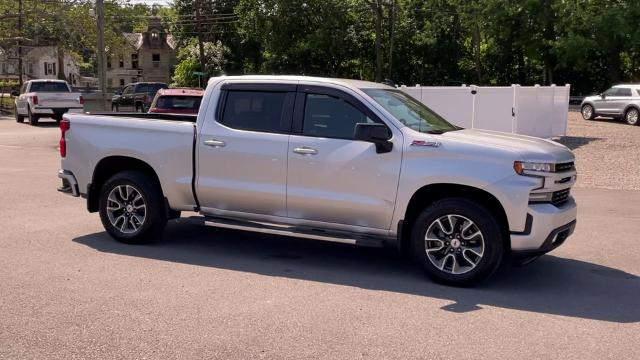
x: 454, y: 244
x: 587, y: 112
x: 632, y: 116
x: 126, y: 208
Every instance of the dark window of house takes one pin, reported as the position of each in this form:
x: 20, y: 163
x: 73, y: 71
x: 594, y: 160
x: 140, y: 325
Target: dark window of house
x: 254, y: 110
x: 134, y: 61
x: 121, y: 61
x: 121, y: 82
x: 327, y: 116
x: 109, y: 62
x: 156, y: 60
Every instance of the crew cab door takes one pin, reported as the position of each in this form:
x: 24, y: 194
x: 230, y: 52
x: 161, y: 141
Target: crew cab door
x: 242, y: 151
x: 126, y: 99
x: 331, y: 177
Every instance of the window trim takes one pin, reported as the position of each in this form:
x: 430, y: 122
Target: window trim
x: 287, y: 104
x: 300, y: 104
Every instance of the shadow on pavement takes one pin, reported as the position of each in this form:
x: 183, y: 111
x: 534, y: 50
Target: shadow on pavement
x: 574, y: 142
x: 552, y: 285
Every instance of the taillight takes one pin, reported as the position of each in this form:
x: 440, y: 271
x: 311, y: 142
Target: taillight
x: 64, y: 126
x: 81, y: 100
x: 34, y: 99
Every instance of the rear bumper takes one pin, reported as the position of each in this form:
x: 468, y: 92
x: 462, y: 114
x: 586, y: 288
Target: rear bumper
x: 69, y: 183
x: 548, y: 226
x: 51, y: 111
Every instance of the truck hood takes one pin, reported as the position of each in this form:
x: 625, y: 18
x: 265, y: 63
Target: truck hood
x: 529, y: 148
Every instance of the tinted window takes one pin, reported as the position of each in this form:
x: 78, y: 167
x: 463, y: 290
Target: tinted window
x: 48, y: 87
x: 611, y: 92
x: 254, y: 110
x: 179, y: 102
x: 127, y: 90
x: 149, y: 88
x: 327, y: 116
x: 623, y: 92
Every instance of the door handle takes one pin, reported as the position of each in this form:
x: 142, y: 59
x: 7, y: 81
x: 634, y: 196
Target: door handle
x: 214, y: 143
x: 305, y: 150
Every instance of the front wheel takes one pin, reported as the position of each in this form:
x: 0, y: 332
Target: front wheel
x: 131, y: 208
x: 632, y: 116
x: 587, y: 112
x: 457, y: 242
x: 19, y: 118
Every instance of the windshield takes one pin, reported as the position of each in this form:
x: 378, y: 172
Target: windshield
x: 410, y: 111
x: 53, y: 86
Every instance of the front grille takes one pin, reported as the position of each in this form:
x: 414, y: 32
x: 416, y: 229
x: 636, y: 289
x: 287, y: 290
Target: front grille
x: 568, y: 166
x: 560, y: 197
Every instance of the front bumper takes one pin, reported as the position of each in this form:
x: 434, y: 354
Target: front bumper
x: 69, y: 183
x: 547, y: 227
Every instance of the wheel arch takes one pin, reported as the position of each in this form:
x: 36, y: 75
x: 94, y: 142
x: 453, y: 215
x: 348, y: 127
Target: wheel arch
x: 628, y: 107
x: 434, y: 192
x: 110, y: 166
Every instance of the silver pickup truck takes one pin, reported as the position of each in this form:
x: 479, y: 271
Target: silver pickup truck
x: 326, y: 159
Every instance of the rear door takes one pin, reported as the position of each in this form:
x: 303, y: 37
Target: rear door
x: 331, y: 177
x: 621, y: 99
x: 242, y: 151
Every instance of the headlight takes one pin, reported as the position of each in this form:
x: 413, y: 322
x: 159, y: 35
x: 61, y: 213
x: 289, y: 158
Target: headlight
x: 521, y: 166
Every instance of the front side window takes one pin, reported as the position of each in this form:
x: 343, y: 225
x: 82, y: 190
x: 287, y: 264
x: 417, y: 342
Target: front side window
x: 254, y: 110
x: 331, y: 117
x: 611, y: 92
x: 409, y: 111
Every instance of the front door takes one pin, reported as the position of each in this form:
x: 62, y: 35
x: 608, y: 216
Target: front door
x: 331, y: 177
x: 242, y: 151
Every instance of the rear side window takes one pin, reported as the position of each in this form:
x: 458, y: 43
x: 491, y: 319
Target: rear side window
x: 623, y: 92
x: 331, y: 117
x: 49, y: 87
x: 179, y: 102
x: 254, y: 110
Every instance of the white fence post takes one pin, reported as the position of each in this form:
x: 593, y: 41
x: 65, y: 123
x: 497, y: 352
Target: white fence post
x: 474, y: 91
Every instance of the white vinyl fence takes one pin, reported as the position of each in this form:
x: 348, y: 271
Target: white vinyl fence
x: 529, y: 110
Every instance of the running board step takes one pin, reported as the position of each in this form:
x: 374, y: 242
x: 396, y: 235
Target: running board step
x: 293, y: 231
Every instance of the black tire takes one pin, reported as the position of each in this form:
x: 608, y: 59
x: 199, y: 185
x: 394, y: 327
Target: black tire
x: 490, y: 236
x: 114, y: 108
x: 588, y: 115
x: 19, y: 118
x: 139, y: 108
x: 33, y: 119
x: 155, y: 218
x: 57, y: 118
x: 632, y: 116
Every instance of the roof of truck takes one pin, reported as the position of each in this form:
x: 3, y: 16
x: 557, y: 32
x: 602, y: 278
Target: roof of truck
x: 361, y: 84
x: 180, y: 92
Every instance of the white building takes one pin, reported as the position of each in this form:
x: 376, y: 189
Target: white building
x: 38, y: 63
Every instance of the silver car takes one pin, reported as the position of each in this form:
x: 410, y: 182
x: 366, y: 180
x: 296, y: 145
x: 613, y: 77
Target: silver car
x: 620, y: 101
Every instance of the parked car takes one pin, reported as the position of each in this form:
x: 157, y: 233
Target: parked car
x: 46, y: 98
x: 177, y: 101
x: 621, y: 101
x: 326, y: 159
x: 136, y: 96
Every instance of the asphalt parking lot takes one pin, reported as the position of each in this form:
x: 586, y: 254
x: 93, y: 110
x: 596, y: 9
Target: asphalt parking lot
x: 67, y: 291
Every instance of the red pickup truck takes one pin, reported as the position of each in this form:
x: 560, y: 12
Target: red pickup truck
x: 177, y: 101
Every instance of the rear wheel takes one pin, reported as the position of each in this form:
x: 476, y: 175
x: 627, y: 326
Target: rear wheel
x: 587, y: 112
x: 19, y: 118
x: 132, y: 208
x: 114, y: 108
x: 33, y: 118
x: 457, y: 242
x: 632, y: 116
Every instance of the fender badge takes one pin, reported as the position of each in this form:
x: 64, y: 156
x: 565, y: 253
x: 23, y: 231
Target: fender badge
x: 431, y: 143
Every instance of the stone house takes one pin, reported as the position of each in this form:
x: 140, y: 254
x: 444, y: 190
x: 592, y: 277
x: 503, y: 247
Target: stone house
x: 147, y: 56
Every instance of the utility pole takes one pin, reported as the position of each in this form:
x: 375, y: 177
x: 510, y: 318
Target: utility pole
x: 20, y: 43
x: 102, y: 59
x: 392, y: 23
x: 203, y: 61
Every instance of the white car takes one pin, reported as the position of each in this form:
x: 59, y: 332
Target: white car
x: 326, y: 159
x: 620, y: 101
x: 46, y: 98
